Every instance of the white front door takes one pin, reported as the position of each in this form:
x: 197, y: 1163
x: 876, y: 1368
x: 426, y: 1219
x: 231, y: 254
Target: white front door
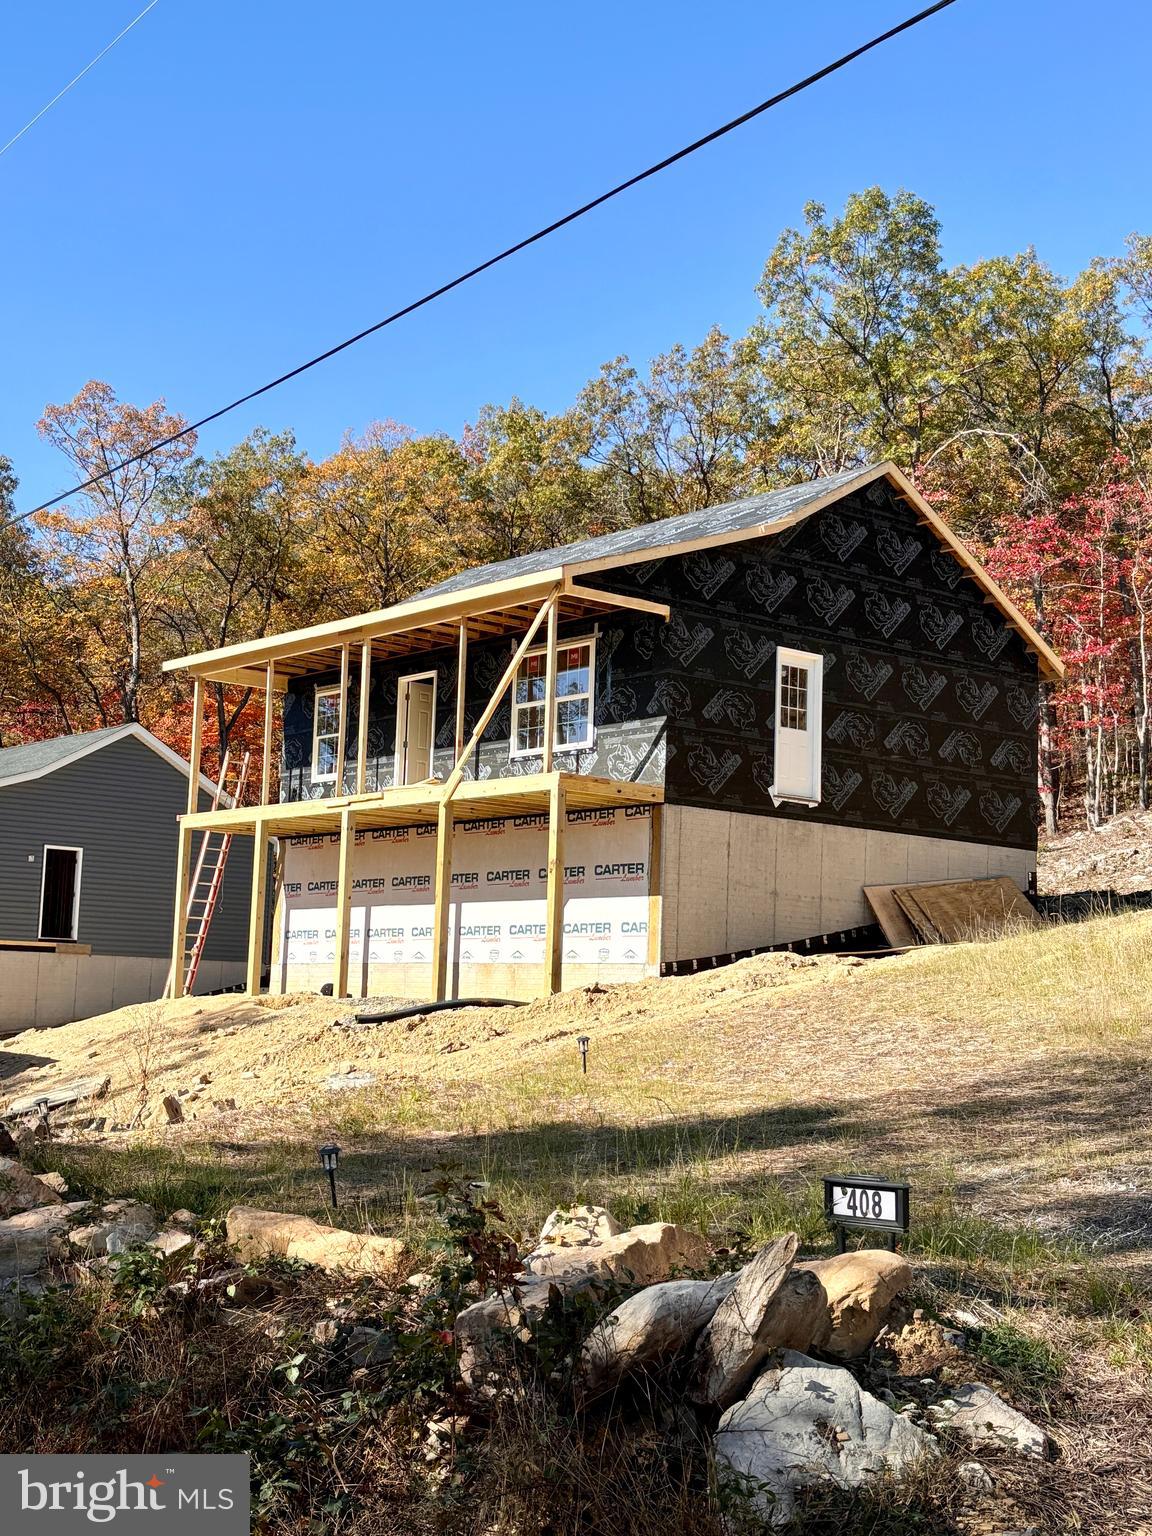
x: 799, y: 677
x: 415, y: 726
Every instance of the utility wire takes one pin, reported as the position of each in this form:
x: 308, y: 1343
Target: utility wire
x: 511, y: 250
x: 32, y: 121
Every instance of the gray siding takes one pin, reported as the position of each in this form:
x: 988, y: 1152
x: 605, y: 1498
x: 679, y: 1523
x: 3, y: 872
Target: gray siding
x: 120, y: 805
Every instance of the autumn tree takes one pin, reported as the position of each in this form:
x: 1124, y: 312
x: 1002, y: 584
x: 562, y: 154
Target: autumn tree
x: 233, y: 572
x: 108, y: 550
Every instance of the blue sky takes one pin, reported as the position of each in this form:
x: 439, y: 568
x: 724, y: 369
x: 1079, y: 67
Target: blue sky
x: 241, y: 183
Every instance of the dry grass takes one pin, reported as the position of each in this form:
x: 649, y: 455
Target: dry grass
x: 1006, y: 1079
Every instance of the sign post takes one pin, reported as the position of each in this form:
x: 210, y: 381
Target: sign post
x: 859, y: 1201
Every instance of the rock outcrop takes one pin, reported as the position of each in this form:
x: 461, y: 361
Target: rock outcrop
x: 804, y: 1423
x: 257, y: 1234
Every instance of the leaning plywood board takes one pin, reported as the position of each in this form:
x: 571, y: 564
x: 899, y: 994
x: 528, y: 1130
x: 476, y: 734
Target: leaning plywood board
x: 957, y: 910
x: 890, y: 915
x: 57, y: 1098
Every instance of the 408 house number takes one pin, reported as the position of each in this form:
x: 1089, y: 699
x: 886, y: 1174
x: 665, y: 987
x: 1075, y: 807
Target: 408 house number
x: 858, y: 1201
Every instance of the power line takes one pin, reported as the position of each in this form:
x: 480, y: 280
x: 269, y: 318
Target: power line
x: 511, y: 250
x: 32, y: 121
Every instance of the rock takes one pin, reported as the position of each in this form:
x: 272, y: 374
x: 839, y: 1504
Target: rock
x: 786, y: 1436
x: 30, y: 1238
x: 171, y: 1241
x: 119, y: 1225
x: 579, y: 1226
x: 976, y: 1477
x: 258, y: 1234
x: 651, y: 1326
x: 55, y: 1182
x: 482, y: 1327
x: 977, y: 1415
x: 21, y: 1190
x: 642, y: 1255
x: 772, y: 1306
x: 370, y: 1347
x: 184, y: 1218
x: 172, y: 1108
x: 861, y: 1287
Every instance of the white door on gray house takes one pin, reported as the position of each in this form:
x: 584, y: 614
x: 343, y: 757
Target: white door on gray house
x: 415, y: 726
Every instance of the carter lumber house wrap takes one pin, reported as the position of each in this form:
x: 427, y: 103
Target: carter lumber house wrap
x: 684, y: 740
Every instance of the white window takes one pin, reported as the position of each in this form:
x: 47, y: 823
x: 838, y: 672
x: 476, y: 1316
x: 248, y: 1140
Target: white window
x: 60, y: 892
x: 799, y: 700
x: 325, y: 735
x: 575, y: 670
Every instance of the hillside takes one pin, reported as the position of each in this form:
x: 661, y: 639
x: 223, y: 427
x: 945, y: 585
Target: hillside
x: 1006, y: 1080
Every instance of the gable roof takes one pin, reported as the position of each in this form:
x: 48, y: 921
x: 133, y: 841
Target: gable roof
x: 759, y: 513
x: 511, y: 585
x: 36, y: 759
x: 732, y: 521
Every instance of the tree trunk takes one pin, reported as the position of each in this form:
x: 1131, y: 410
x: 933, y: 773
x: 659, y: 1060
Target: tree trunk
x: 1047, y: 767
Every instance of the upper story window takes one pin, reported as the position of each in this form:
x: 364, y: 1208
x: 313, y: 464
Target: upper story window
x: 575, y: 669
x: 325, y: 735
x: 799, y: 709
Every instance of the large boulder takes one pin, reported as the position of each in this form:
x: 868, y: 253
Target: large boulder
x: 640, y: 1255
x: 256, y: 1234
x: 980, y: 1417
x: 21, y: 1190
x: 861, y: 1288
x: 654, y: 1325
x: 803, y: 1424
x: 30, y: 1238
x: 771, y: 1306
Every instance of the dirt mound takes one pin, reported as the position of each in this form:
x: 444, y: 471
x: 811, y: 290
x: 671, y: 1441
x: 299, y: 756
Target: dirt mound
x: 1116, y: 858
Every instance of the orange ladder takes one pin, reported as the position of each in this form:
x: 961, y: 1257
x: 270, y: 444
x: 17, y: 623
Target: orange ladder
x: 204, y: 891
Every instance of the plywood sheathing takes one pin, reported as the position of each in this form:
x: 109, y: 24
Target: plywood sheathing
x: 950, y: 912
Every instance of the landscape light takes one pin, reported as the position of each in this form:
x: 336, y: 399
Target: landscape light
x: 584, y: 1042
x: 42, y: 1105
x: 329, y: 1159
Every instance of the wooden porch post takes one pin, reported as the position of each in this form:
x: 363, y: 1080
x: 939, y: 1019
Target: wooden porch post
x: 554, y: 905
x: 175, y: 987
x: 461, y: 679
x: 344, y: 902
x: 655, y: 886
x: 443, y: 907
x: 550, y: 683
x: 257, y: 905
x: 269, y: 713
x: 342, y: 735
x: 197, y: 743
x: 362, y: 723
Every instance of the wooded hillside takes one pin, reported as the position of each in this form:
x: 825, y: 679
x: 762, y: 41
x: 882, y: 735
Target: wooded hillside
x: 1017, y: 398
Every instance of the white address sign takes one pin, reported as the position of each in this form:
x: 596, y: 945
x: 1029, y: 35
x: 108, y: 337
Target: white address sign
x: 851, y: 1203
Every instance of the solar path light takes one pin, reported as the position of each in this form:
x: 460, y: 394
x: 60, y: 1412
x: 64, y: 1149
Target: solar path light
x: 329, y: 1160
x: 584, y: 1042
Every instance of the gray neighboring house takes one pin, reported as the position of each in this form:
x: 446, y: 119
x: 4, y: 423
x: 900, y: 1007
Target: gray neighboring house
x: 87, y: 865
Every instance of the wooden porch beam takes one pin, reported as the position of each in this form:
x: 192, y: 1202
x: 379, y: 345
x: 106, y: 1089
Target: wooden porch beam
x: 344, y: 902
x: 269, y: 713
x: 195, y: 750
x: 342, y: 732
x: 550, y: 682
x: 461, y: 683
x: 175, y: 986
x: 443, y: 902
x: 554, y: 901
x: 362, y: 722
x: 257, y: 906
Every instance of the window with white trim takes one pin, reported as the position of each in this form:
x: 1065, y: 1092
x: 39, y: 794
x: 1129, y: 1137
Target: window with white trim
x: 575, y: 671
x: 325, y: 734
x: 799, y: 712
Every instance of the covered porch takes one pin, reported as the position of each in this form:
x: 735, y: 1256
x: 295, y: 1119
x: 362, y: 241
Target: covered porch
x: 522, y: 610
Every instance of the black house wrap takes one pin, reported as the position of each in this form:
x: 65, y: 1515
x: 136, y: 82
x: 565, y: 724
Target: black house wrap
x: 930, y: 697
